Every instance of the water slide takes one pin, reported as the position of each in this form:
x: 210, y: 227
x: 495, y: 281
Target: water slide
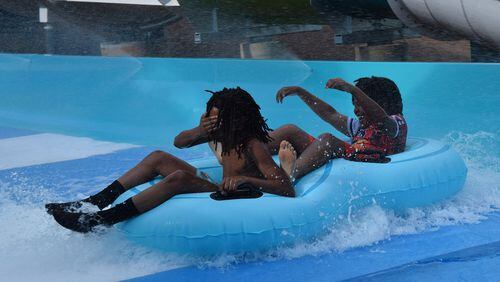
x: 91, y: 106
x: 478, y: 20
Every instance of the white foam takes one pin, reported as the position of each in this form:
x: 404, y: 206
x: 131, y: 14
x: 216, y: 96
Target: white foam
x: 48, y: 148
x: 34, y: 248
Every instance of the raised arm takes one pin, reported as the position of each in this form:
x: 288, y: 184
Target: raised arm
x: 275, y: 179
x: 372, y: 110
x: 320, y: 107
x: 198, y: 135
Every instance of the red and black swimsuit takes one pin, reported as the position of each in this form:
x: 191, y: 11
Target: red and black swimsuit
x: 372, y: 143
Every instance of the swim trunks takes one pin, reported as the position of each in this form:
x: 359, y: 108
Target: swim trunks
x: 205, y: 176
x: 310, y: 139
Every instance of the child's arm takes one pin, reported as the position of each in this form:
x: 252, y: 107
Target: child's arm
x: 372, y: 110
x: 322, y: 109
x: 275, y: 179
x: 190, y: 138
x: 197, y: 135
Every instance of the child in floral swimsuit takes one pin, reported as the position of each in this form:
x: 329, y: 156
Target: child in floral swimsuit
x: 372, y: 143
x: 378, y: 130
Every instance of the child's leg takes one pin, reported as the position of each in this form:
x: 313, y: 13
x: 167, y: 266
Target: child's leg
x: 326, y: 147
x: 155, y: 164
x: 178, y: 182
x: 299, y: 139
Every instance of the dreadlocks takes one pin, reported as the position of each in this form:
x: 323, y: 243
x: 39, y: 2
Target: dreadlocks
x: 239, y: 120
x: 383, y: 91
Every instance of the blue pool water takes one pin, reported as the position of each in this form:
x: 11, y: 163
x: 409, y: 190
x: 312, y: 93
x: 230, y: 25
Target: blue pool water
x: 81, y: 101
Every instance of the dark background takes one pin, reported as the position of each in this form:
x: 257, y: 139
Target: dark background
x: 253, y: 29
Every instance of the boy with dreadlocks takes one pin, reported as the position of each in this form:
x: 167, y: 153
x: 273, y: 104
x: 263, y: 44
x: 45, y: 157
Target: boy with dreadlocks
x: 232, y: 124
x: 379, y: 129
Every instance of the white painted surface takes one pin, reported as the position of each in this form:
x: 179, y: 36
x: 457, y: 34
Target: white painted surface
x: 49, y: 148
x: 484, y: 17
x: 475, y: 19
x: 131, y: 2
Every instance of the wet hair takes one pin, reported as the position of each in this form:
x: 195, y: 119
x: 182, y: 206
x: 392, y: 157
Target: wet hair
x: 239, y: 120
x: 383, y: 91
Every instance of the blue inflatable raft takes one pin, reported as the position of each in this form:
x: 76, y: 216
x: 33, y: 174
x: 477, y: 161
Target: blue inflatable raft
x: 428, y: 171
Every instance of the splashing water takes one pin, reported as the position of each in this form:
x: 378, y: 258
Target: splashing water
x: 371, y: 225
x: 33, y: 247
x: 480, y: 196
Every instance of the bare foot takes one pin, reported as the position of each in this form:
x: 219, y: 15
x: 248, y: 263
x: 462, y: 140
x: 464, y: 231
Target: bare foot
x: 288, y: 157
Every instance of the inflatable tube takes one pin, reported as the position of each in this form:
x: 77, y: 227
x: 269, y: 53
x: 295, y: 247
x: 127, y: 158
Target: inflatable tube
x: 427, y: 172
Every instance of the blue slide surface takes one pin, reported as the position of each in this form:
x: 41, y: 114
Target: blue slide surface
x: 100, y: 98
